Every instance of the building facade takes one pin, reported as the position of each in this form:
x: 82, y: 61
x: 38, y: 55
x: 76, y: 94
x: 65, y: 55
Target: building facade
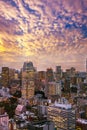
x: 5, y: 76
x: 49, y: 75
x: 28, y: 78
x: 54, y: 88
x: 63, y: 116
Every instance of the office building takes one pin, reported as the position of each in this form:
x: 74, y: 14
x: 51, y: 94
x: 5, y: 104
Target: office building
x: 28, y: 90
x: 58, y: 73
x: 71, y: 72
x: 54, y: 88
x: 28, y: 80
x: 28, y: 72
x: 11, y: 75
x: 58, y: 69
x: 5, y: 76
x: 42, y: 75
x: 63, y: 116
x: 49, y: 75
x: 28, y: 66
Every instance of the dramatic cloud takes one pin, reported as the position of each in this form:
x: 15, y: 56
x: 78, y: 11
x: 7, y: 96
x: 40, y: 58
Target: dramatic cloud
x: 46, y: 32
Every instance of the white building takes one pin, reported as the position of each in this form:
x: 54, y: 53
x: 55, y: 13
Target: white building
x: 62, y: 115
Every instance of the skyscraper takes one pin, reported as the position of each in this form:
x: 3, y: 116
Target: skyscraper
x: 28, y: 66
x: 42, y: 75
x: 58, y: 73
x: 58, y: 69
x: 28, y: 77
x: 5, y: 76
x: 49, y: 75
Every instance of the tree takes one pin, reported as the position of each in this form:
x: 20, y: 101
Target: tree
x: 11, y: 106
x: 17, y: 94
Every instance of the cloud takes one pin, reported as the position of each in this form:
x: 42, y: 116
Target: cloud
x: 46, y: 32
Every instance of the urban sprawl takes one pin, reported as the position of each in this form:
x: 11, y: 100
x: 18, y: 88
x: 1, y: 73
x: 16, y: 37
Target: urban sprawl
x: 43, y: 100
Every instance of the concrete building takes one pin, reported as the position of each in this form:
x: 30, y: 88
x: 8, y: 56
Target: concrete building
x: 63, y: 116
x: 4, y: 122
x: 28, y: 90
x: 28, y: 77
x: 42, y: 109
x: 42, y: 125
x: 5, y: 76
x: 49, y: 75
x: 42, y: 75
x: 58, y: 73
x: 81, y: 124
x: 54, y: 88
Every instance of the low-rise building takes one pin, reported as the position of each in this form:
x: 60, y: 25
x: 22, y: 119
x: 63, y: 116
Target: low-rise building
x: 4, y: 122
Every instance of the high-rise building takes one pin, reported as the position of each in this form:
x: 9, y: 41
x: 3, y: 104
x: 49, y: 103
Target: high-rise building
x: 14, y: 77
x: 42, y: 75
x: 28, y: 90
x: 28, y: 77
x: 73, y: 71
x: 54, y: 88
x: 5, y: 76
x: 11, y: 75
x: 28, y: 71
x: 58, y: 69
x: 28, y: 66
x: 68, y: 72
x: 67, y: 85
x: 63, y: 116
x: 58, y: 73
x: 49, y: 75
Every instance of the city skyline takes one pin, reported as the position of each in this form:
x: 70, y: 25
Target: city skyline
x: 48, y: 33
x: 49, y: 67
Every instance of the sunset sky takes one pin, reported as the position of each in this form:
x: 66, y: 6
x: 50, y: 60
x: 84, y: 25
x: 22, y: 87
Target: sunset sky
x: 46, y: 32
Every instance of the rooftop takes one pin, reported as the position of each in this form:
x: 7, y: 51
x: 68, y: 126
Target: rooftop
x: 65, y: 106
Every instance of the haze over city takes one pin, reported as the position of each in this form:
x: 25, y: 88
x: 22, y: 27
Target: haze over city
x: 46, y: 32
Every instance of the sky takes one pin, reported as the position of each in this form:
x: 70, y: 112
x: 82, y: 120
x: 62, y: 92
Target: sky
x: 47, y: 32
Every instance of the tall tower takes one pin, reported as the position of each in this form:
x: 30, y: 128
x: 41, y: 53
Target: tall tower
x: 28, y: 77
x: 58, y: 72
